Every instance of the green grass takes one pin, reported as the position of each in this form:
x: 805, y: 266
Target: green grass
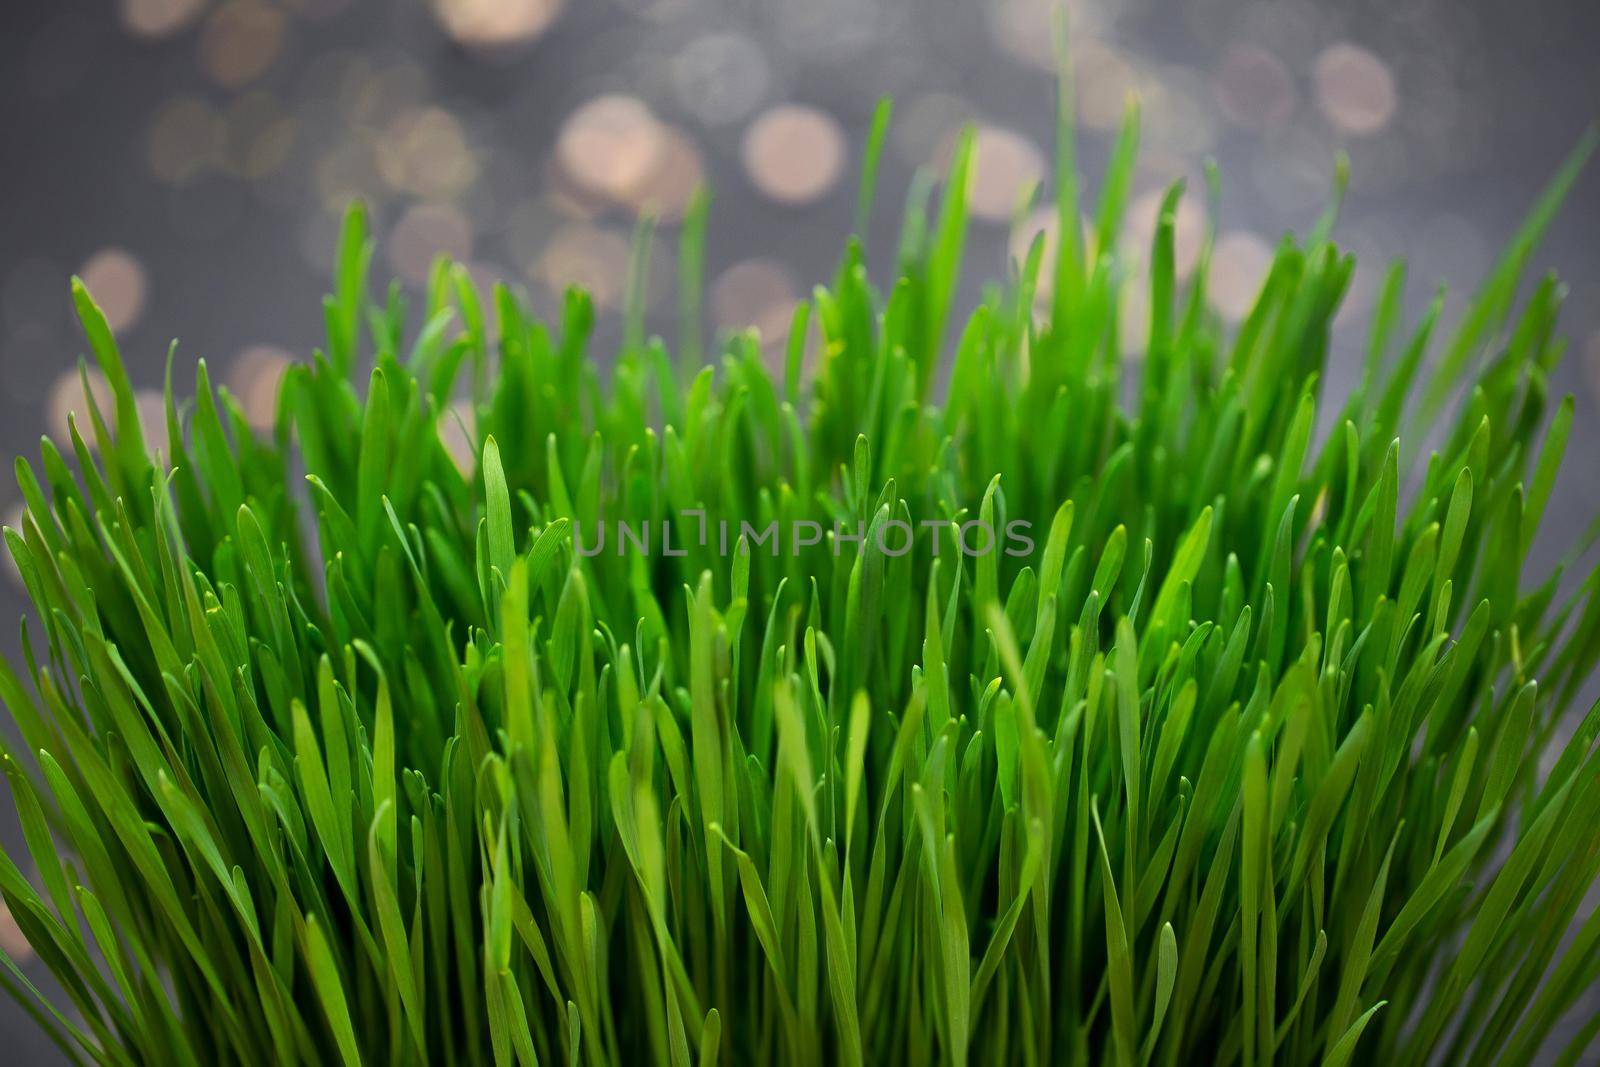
x: 1240, y: 764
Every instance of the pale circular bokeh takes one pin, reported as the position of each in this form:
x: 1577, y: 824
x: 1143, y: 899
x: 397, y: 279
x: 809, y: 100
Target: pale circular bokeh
x: 1254, y: 89
x: 610, y: 145
x: 68, y: 405
x: 794, y: 153
x: 495, y: 23
x: 154, y: 19
x: 1355, y: 89
x: 585, y: 255
x: 456, y: 429
x: 425, y: 153
x: 666, y: 191
x: 255, y: 377
x: 1006, y: 164
x: 1188, y: 228
x: 1026, y: 28
x: 240, y: 42
x: 1022, y: 27
x: 151, y: 404
x: 425, y: 232
x: 1043, y: 220
x: 1104, y: 80
x: 116, y: 279
x: 566, y: 198
x: 1239, y: 265
x: 12, y: 940
x: 11, y: 519
x: 757, y: 294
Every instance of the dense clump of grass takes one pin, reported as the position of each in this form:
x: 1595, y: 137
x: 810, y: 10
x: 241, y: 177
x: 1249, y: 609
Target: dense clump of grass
x: 1236, y: 760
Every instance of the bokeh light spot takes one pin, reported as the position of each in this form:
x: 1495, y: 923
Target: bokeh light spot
x: 1355, y: 89
x: 495, y: 23
x: 666, y: 191
x: 68, y: 405
x: 758, y: 294
x: 12, y: 940
x: 425, y: 153
x: 255, y: 376
x: 151, y: 404
x: 794, y: 154
x: 240, y: 41
x: 425, y: 232
x: 1238, y: 267
x: 158, y: 18
x: 1188, y: 228
x: 1104, y: 79
x: 1006, y: 163
x: 1254, y: 88
x: 457, y: 430
x: 116, y: 279
x: 594, y: 258
x: 610, y: 145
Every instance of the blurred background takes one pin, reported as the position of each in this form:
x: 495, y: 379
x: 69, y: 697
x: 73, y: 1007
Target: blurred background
x: 190, y: 159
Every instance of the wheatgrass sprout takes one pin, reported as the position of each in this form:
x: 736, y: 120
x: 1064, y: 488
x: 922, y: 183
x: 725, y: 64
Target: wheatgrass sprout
x: 985, y: 698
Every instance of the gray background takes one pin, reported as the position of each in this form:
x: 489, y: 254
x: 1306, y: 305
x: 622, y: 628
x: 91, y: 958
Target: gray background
x: 190, y: 157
